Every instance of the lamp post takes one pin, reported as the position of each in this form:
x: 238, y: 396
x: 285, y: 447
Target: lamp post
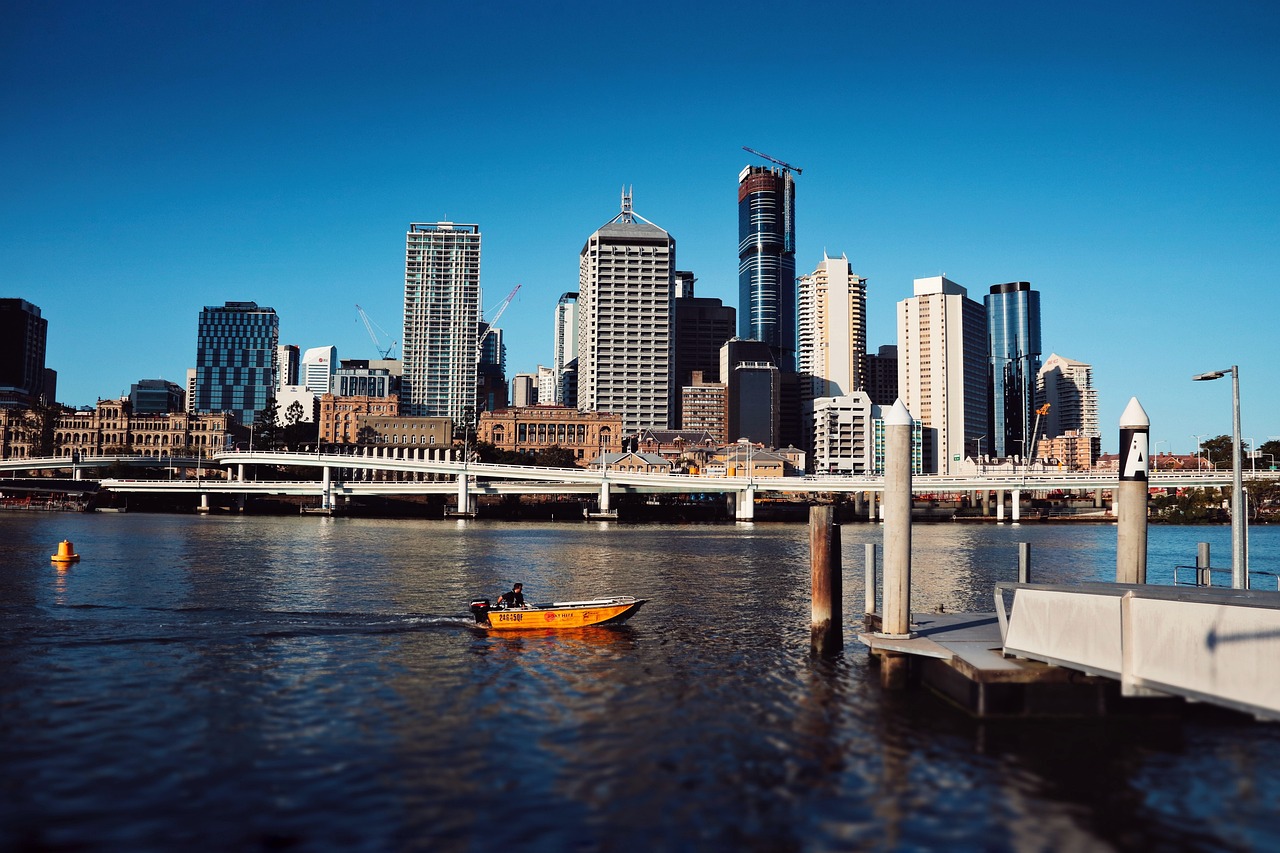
x: 1154, y: 456
x: 1239, y: 554
x: 1199, y: 454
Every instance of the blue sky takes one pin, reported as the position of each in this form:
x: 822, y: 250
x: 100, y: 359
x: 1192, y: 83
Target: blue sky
x: 159, y: 157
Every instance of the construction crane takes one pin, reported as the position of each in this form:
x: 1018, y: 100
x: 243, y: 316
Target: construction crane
x: 1035, y: 431
x: 489, y: 329
x: 369, y: 324
x: 786, y: 166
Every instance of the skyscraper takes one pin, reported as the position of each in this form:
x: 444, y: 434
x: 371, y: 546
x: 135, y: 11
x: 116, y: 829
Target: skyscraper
x: 942, y: 377
x: 832, y: 319
x: 23, y: 333
x: 1013, y: 361
x: 441, y: 319
x: 566, y: 342
x: 624, y: 321
x: 236, y: 359
x: 699, y: 328
x: 880, y: 378
x: 767, y: 261
x: 318, y: 365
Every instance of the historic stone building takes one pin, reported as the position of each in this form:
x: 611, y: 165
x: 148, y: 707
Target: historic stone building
x: 111, y: 427
x: 533, y: 428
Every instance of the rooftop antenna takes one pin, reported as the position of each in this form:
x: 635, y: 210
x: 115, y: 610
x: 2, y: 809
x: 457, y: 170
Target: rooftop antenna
x: 627, y: 215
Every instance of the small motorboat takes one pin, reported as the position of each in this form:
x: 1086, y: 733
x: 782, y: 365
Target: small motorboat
x: 556, y: 614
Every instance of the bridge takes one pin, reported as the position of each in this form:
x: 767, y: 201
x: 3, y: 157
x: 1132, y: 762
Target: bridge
x: 346, y: 475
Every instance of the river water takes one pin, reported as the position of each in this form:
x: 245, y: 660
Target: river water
x: 251, y: 683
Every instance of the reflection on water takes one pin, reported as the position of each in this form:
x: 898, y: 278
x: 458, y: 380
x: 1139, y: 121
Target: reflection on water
x: 243, y: 683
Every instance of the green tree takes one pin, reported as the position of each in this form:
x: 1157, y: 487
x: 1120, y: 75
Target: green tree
x: 266, y: 425
x: 1217, y: 451
x: 555, y: 457
x: 40, y: 422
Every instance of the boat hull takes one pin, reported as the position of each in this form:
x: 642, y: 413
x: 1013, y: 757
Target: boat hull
x: 565, y: 615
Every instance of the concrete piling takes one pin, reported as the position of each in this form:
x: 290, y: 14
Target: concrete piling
x: 1131, y: 495
x: 1204, y: 577
x: 826, y: 634
x: 869, y: 596
x: 1024, y: 562
x: 896, y: 616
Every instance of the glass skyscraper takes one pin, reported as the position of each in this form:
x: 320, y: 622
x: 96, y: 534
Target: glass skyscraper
x: 236, y: 359
x: 1013, y: 333
x: 767, y: 261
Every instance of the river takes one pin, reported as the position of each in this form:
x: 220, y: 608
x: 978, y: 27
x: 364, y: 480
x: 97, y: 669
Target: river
x: 265, y: 683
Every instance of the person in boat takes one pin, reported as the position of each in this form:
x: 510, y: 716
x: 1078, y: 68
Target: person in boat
x: 514, y: 598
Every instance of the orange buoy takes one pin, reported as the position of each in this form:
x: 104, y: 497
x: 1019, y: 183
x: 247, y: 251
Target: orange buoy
x: 66, y: 553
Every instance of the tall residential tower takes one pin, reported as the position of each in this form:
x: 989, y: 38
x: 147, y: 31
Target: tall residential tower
x: 441, y: 319
x: 942, y: 376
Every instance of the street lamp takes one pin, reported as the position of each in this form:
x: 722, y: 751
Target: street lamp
x: 1155, y: 466
x: 1239, y: 554
x: 1199, y: 450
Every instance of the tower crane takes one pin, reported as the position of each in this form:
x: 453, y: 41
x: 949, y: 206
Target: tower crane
x: 488, y: 330
x: 786, y: 166
x: 369, y: 324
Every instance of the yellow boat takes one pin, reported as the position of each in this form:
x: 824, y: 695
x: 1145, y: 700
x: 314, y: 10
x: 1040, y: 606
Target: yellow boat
x: 557, y: 614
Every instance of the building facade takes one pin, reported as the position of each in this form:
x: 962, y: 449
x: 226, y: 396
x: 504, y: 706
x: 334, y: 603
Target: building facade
x: 1013, y: 333
x: 440, y: 344
x: 942, y: 370
x: 880, y: 377
x: 534, y: 428
x: 236, y: 352
x: 624, y: 321
x: 699, y: 328
x: 113, y: 427
x: 842, y: 434
x: 156, y: 397
x: 23, y: 336
x: 767, y: 261
x: 704, y: 407
x: 754, y: 392
x: 565, y: 342
x: 1067, y: 386
x: 339, y: 416
x: 318, y: 365
x: 832, y: 330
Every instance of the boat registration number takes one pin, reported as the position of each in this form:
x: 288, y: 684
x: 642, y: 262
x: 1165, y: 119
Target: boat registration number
x: 510, y: 617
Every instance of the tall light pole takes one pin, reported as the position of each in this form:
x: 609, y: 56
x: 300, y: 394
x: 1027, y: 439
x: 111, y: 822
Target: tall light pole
x: 1154, y: 465
x: 1199, y: 453
x: 1239, y: 554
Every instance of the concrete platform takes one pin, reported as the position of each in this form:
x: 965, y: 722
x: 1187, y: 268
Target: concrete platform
x: 960, y: 657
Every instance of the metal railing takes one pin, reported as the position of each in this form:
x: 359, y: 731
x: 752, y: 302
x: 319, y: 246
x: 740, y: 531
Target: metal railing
x: 1202, y: 575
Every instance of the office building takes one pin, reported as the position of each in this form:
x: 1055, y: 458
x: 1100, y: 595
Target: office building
x: 491, y: 372
x: 880, y: 376
x: 318, y: 364
x: 705, y: 407
x: 236, y: 359
x: 624, y: 321
x: 531, y: 429
x: 942, y: 370
x: 358, y: 377
x: 548, y: 387
x: 1067, y: 386
x: 699, y: 328
x: 842, y: 434
x: 1013, y: 363
x: 683, y: 286
x: 566, y: 344
x: 156, y: 397
x: 23, y: 335
x: 754, y: 388
x: 440, y: 343
x: 767, y: 261
x: 288, y: 358
x: 524, y: 390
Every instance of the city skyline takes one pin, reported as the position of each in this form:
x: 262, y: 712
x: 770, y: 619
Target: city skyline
x: 166, y: 159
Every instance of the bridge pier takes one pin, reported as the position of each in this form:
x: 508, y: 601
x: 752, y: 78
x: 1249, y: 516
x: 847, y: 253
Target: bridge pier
x: 604, y: 496
x: 326, y: 489
x: 985, y: 498
x: 746, y: 504
x: 1017, y: 505
x: 999, y: 505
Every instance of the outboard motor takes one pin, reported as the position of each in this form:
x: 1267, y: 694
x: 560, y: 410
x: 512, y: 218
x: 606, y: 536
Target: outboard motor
x: 480, y: 610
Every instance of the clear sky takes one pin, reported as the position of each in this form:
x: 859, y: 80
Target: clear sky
x: 1122, y: 157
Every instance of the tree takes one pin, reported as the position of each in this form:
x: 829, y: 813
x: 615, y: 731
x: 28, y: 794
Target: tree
x: 40, y: 423
x: 1269, y: 454
x: 266, y: 424
x: 1217, y: 451
x: 297, y: 431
